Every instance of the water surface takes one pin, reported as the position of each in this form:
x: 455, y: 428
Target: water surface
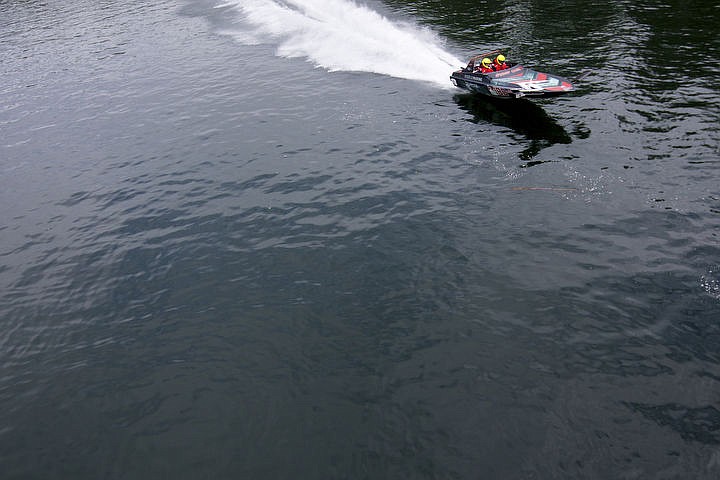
x: 264, y: 239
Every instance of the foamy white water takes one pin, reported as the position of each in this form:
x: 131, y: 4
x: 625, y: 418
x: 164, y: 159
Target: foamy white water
x: 341, y: 35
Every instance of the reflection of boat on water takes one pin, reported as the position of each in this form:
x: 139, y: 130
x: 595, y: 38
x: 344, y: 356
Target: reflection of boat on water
x: 522, y: 116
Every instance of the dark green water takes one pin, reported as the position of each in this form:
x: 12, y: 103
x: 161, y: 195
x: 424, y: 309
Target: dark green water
x: 265, y: 240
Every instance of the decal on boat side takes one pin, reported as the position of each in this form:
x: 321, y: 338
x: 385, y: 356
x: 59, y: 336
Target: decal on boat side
x: 535, y: 85
x: 499, y: 91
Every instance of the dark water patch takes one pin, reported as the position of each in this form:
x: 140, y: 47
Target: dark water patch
x: 700, y: 424
x: 523, y: 117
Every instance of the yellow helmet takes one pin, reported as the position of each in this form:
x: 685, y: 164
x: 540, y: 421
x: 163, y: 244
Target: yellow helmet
x: 500, y: 58
x: 486, y: 62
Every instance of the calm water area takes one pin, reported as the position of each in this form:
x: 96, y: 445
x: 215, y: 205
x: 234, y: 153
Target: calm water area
x: 268, y: 239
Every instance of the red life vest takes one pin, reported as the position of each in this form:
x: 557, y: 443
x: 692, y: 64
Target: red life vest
x: 499, y: 66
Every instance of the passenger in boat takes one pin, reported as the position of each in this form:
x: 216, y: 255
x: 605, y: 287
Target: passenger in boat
x: 499, y: 63
x: 486, y: 66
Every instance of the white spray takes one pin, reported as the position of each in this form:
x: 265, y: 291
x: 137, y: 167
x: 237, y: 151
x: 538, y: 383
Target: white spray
x: 341, y: 35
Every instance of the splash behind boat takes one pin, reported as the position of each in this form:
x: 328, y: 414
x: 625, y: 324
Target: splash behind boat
x: 515, y: 81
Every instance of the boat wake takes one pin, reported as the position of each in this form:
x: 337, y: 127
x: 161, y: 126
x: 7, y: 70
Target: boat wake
x: 341, y: 35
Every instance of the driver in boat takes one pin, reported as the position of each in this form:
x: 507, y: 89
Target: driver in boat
x: 486, y: 66
x: 499, y: 63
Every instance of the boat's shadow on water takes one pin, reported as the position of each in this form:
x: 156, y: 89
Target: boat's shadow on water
x: 522, y: 116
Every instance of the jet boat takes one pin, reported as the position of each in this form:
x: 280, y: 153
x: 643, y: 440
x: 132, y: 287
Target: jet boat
x: 515, y: 81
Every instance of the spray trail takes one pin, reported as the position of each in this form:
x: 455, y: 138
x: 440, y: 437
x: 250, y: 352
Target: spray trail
x: 341, y: 35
